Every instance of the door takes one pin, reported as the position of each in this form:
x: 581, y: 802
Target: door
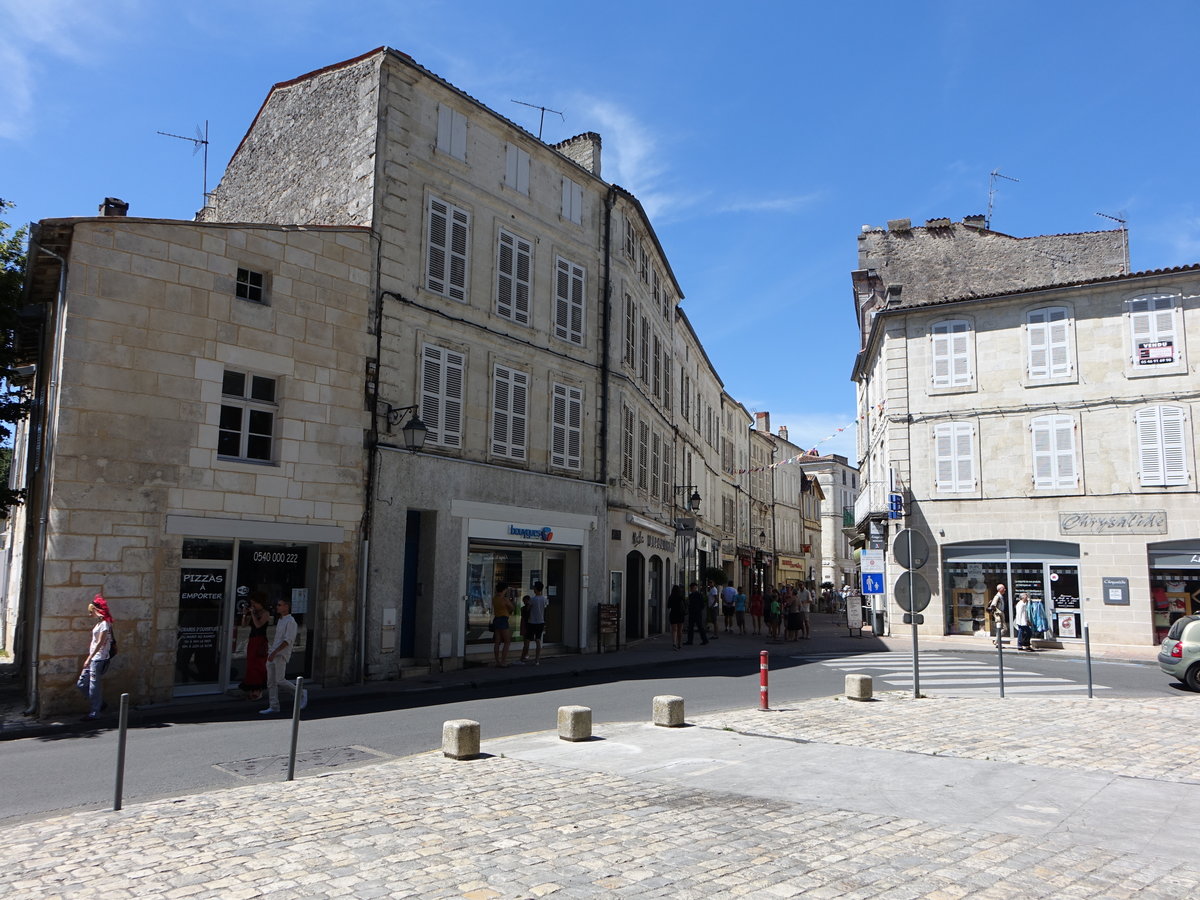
x: 201, y: 655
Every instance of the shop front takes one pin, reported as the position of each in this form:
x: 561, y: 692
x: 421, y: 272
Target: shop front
x: 225, y: 563
x: 521, y: 554
x: 1174, y: 583
x: 1046, y: 570
x: 792, y: 570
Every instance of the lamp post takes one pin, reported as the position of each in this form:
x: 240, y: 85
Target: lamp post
x: 414, y: 430
x: 692, y: 505
x: 762, y: 563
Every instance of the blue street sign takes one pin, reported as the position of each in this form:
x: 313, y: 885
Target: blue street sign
x: 872, y: 582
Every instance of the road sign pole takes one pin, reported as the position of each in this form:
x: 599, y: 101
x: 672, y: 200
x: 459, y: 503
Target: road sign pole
x: 916, y: 663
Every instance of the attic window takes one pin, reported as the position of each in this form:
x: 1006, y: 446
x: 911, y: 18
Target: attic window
x: 250, y: 285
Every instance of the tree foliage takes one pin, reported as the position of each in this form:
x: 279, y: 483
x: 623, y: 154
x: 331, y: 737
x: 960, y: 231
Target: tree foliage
x: 14, y: 404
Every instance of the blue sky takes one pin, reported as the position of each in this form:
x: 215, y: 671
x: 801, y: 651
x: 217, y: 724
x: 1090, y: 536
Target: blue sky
x: 760, y: 136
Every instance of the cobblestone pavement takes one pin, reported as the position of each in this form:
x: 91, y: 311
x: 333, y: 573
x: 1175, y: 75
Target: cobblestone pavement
x: 502, y: 827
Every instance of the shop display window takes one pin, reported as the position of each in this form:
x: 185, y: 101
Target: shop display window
x: 1173, y: 594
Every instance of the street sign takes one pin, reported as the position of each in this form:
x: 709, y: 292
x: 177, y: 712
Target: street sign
x: 912, y: 592
x: 872, y: 582
x: 914, y: 619
x: 920, y: 548
x: 871, y: 561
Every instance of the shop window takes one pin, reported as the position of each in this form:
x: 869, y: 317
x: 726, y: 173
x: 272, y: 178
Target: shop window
x: 247, y: 424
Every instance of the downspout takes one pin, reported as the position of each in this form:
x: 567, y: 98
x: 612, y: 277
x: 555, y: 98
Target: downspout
x: 605, y: 372
x: 45, y: 463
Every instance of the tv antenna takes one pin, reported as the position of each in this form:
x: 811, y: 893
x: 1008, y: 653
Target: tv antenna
x: 544, y: 110
x: 200, y: 141
x: 992, y: 194
x: 1124, y: 223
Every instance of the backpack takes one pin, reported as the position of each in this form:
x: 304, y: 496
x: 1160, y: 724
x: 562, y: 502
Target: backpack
x: 112, y: 643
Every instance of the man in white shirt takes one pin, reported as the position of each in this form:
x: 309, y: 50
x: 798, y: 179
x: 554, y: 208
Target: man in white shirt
x: 804, y: 605
x: 535, y: 623
x: 286, y: 630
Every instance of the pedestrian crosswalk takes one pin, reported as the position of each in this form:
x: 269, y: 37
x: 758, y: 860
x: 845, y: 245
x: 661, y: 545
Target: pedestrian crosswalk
x: 942, y: 673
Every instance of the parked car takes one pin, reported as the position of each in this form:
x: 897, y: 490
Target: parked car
x: 1180, y: 652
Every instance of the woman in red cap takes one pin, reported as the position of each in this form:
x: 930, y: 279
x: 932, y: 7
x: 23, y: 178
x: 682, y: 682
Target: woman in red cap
x: 96, y: 663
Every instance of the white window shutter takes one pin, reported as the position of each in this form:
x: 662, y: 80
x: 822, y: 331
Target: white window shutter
x: 954, y: 457
x: 950, y: 354
x: 655, y: 463
x: 513, y: 269
x: 1162, y: 445
x: 516, y: 169
x: 627, y: 446
x: 452, y: 132
x: 446, y: 258
x: 1038, y: 335
x: 510, y: 398
x: 643, y: 454
x: 964, y: 440
x: 569, y: 300
x: 435, y: 264
x: 1066, y: 470
x: 566, y: 430
x: 572, y: 201
x: 445, y: 127
x: 1054, y: 464
x: 442, y: 394
x: 1149, y: 441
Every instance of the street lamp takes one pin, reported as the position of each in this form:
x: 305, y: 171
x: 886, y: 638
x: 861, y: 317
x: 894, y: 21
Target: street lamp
x: 414, y: 430
x: 692, y: 505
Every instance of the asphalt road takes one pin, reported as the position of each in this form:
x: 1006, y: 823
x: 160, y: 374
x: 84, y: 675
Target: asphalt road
x: 74, y: 771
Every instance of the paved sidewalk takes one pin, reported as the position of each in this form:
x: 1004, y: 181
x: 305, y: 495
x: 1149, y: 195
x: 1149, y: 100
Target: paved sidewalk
x: 898, y: 798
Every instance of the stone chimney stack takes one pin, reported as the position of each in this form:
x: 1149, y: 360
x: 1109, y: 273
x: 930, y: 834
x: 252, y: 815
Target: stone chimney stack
x: 783, y: 432
x: 762, y: 422
x: 583, y: 149
x: 114, y: 207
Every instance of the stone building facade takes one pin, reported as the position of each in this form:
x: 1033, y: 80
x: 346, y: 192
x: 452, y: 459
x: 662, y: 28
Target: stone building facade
x: 1041, y: 437
x: 839, y: 486
x: 196, y: 437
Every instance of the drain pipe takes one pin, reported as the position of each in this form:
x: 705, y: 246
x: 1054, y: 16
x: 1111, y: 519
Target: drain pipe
x: 45, y: 464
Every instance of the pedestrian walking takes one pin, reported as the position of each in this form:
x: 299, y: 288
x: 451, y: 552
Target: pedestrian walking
x: 774, y: 616
x: 1021, y: 620
x: 533, y: 622
x: 728, y: 603
x: 502, y: 609
x: 95, y: 664
x: 804, y: 602
x: 997, y: 609
x: 286, y: 631
x: 756, y: 611
x: 714, y: 604
x: 254, y: 682
x: 739, y: 610
x: 676, y: 613
x: 696, y: 605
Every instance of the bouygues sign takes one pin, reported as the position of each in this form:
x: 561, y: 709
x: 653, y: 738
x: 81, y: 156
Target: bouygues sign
x: 544, y: 533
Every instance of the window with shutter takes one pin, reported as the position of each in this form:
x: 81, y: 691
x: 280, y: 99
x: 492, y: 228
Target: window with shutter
x: 510, y: 405
x: 644, y: 352
x: 643, y: 454
x: 951, y: 354
x: 655, y: 463
x: 656, y: 368
x: 566, y: 428
x: 666, y: 374
x: 516, y: 169
x: 1048, y: 332
x: 1054, y: 464
x: 954, y: 457
x: 630, y: 332
x: 630, y: 239
x: 452, y: 132
x: 572, y: 201
x: 1162, y: 445
x: 569, y: 285
x: 627, y: 446
x: 446, y: 259
x: 1152, y: 332
x: 667, y: 465
x: 513, y: 270
x: 442, y: 379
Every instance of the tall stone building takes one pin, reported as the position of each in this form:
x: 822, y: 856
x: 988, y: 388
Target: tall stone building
x: 1031, y: 403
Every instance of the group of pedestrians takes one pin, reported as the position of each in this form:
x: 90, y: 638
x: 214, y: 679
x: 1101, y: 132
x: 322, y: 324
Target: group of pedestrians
x: 1029, y: 615
x: 785, y: 612
x: 533, y: 623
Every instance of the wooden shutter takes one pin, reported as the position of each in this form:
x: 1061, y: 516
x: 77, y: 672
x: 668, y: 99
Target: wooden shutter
x: 1053, y: 452
x: 643, y: 454
x: 452, y: 132
x: 513, y: 267
x: 644, y: 351
x: 568, y: 301
x: 954, y: 457
x: 566, y: 429
x: 666, y: 374
x: 1151, y: 322
x: 516, y: 169
x: 442, y: 394
x: 572, y: 201
x: 446, y: 263
x: 951, y: 354
x: 1162, y: 445
x: 627, y: 446
x: 630, y: 331
x: 510, y: 407
x: 656, y: 368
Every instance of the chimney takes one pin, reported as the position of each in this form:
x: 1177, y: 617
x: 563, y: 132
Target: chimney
x: 977, y: 221
x: 904, y: 225
x: 783, y: 432
x: 114, y: 207
x: 583, y: 149
x: 762, y: 422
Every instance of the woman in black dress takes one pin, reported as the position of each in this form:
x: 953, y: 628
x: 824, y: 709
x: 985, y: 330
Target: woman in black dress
x: 676, y: 613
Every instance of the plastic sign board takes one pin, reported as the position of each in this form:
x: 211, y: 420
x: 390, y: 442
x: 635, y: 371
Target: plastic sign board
x: 871, y: 561
x: 872, y: 582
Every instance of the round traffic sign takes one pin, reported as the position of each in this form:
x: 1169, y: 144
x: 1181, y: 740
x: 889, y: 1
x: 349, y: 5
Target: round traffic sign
x: 911, y: 548
x: 912, y: 592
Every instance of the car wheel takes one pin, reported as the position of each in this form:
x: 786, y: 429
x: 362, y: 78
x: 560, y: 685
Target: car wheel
x: 1192, y: 678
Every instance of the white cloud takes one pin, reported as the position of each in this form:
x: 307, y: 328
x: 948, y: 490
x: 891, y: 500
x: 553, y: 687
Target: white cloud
x: 790, y: 204
x: 43, y: 33
x: 828, y: 432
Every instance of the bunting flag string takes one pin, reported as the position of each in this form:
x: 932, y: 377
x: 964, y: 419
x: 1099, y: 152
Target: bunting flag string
x: 792, y: 460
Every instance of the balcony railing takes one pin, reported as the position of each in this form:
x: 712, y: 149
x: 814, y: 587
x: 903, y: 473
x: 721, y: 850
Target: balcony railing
x: 873, y: 498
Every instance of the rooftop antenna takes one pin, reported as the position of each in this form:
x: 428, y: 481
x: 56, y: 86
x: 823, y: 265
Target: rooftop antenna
x: 199, y: 141
x: 544, y: 109
x: 1124, y: 223
x: 992, y: 194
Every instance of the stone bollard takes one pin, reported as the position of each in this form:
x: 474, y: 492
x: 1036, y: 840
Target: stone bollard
x: 858, y: 687
x: 668, y: 711
x: 460, y: 738
x: 574, y: 723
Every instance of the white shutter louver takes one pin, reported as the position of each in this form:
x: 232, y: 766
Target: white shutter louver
x: 1162, y: 445
x: 566, y: 429
x: 446, y: 259
x: 1049, y: 336
x: 442, y: 394
x: 510, y: 404
x: 950, y: 350
x: 516, y: 169
x: 568, y: 301
x: 954, y: 457
x: 1053, y: 440
x: 513, y: 267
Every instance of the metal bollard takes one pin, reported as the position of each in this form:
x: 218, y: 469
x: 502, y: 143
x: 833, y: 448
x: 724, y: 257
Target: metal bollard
x: 763, y: 664
x: 1087, y: 652
x: 122, y: 730
x: 291, y: 776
